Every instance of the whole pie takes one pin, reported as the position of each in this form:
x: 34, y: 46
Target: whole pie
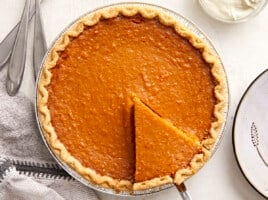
x: 131, y: 99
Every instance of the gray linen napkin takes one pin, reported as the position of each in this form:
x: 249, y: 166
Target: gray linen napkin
x: 27, y: 170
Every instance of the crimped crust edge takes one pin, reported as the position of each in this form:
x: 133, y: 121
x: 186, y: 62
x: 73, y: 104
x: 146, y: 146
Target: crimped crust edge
x: 148, y: 12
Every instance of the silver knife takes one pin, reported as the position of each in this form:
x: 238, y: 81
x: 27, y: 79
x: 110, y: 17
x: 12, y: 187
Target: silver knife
x: 40, y: 46
x: 18, y: 55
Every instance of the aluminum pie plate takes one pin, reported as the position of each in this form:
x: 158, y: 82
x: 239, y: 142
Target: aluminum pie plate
x: 187, y: 23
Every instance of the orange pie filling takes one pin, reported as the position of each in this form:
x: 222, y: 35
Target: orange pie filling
x: 161, y: 149
x: 96, y: 118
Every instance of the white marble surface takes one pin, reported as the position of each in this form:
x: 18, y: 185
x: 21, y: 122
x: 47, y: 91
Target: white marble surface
x: 243, y: 49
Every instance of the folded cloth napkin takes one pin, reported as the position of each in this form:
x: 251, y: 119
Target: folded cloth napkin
x: 27, y: 170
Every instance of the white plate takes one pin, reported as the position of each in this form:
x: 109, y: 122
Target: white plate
x: 250, y: 134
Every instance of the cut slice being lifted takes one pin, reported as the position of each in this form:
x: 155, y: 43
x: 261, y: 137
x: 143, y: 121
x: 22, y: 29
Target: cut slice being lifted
x: 161, y: 148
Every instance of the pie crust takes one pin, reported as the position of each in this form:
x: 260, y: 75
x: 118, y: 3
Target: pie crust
x: 149, y: 12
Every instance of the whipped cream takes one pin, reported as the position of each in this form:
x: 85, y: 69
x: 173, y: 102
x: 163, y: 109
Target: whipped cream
x: 231, y: 10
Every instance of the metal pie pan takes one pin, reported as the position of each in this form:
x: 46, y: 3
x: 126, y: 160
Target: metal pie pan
x: 187, y: 23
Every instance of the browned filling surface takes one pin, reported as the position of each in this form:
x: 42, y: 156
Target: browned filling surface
x: 95, y: 76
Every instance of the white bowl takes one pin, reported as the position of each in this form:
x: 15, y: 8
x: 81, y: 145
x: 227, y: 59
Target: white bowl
x: 205, y: 6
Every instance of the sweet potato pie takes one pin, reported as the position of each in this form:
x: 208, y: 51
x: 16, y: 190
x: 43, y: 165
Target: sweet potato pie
x: 131, y: 99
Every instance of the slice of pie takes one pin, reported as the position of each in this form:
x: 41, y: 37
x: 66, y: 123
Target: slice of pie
x: 85, y: 104
x: 161, y: 148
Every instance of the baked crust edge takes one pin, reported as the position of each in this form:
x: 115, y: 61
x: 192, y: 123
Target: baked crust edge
x: 149, y: 12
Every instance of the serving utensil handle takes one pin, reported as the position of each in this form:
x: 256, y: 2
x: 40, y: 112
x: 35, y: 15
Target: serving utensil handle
x: 183, y: 192
x: 18, y: 55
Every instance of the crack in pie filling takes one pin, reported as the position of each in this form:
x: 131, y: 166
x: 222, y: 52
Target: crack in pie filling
x: 130, y: 99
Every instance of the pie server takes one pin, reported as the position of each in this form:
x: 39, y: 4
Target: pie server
x: 183, y: 192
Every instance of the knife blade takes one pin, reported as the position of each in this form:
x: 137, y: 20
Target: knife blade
x: 40, y: 46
